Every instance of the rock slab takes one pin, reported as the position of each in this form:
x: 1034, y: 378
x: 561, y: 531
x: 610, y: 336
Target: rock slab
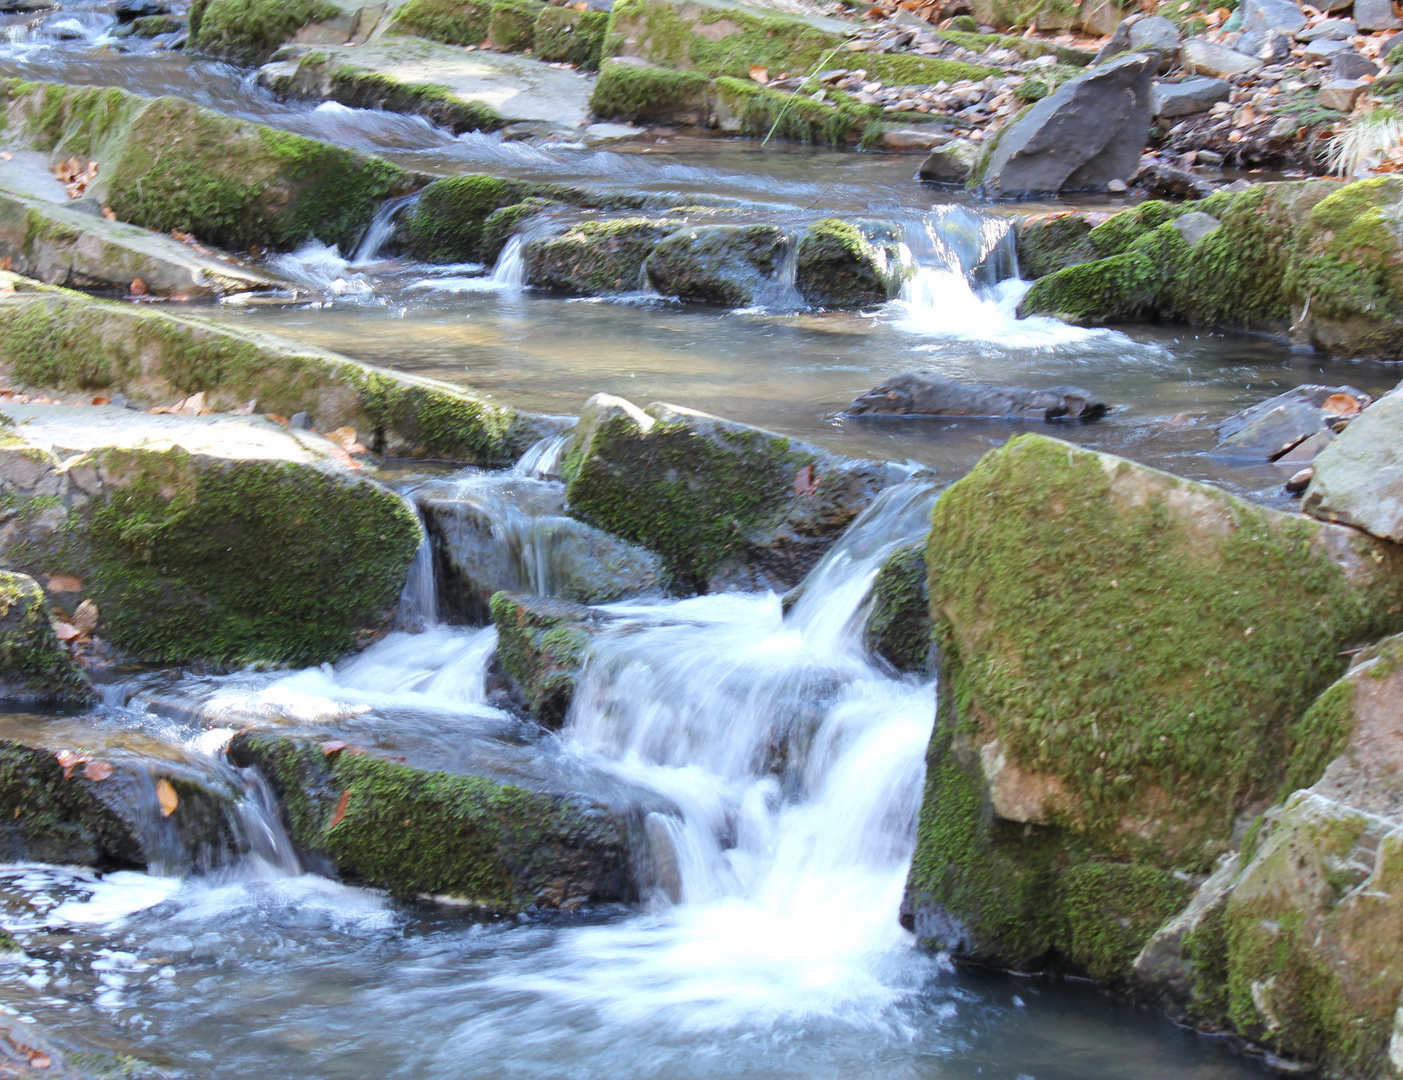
x: 1359, y: 477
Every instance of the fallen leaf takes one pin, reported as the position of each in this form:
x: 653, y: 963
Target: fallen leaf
x: 69, y: 761
x: 85, y: 618
x: 7, y: 264
x: 246, y: 409
x: 340, y: 814
x: 344, y: 437
x: 166, y: 796
x: 39, y: 1060
x: 64, y: 583
x: 194, y: 405
x: 109, y: 213
x: 760, y: 75
x: 5, y: 155
x: 1340, y: 405
x: 333, y: 746
x: 97, y: 770
x: 99, y: 400
x: 66, y: 632
x: 138, y: 287
x: 277, y: 417
x: 804, y: 482
x: 183, y: 237
x: 160, y: 410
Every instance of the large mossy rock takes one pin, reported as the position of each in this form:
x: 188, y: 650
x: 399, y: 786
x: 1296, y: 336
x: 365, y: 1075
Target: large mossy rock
x: 735, y: 265
x: 596, y: 258
x: 1314, y: 257
x: 542, y: 644
x: 1358, y: 478
x: 1294, y: 942
x: 724, y: 504
x: 33, y: 665
x: 249, y: 31
x: 47, y: 816
x: 899, y: 624
x: 454, y: 22
x: 53, y: 339
x: 470, y: 838
x: 840, y: 264
x: 564, y: 35
x: 225, y: 540
x: 165, y: 164
x: 1126, y: 663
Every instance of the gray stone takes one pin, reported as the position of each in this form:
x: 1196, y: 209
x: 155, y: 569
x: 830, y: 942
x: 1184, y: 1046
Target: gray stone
x: 1325, y: 48
x: 1194, y: 226
x: 1271, y: 428
x: 1329, y: 30
x: 1306, y: 450
x: 1268, y: 46
x: 1359, y: 477
x: 926, y: 394
x: 910, y: 139
x: 735, y: 265
x: 1188, y: 97
x: 1350, y: 65
x: 1390, y: 44
x: 1091, y: 131
x: 1376, y: 15
x: 1211, y: 58
x: 1272, y: 15
x: 951, y: 163
x: 1120, y: 38
x: 1156, y: 34
x: 1341, y: 94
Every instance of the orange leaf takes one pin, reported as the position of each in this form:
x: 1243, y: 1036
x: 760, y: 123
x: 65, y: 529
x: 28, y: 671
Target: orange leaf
x: 69, y: 761
x: 760, y: 75
x: 64, y: 583
x: 39, y: 1060
x: 99, y: 400
x: 138, y: 287
x: 804, y: 482
x: 97, y: 770
x: 340, y: 814
x: 85, y: 618
x: 334, y: 746
x: 66, y: 631
x: 109, y: 213
x: 166, y: 796
x: 1341, y: 405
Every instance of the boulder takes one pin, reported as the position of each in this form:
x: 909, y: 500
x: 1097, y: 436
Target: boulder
x: 735, y: 265
x: 1268, y: 46
x: 564, y: 35
x: 1272, y: 15
x: 1294, y: 941
x: 951, y: 163
x: 1212, y: 58
x: 849, y: 264
x: 33, y: 665
x: 1341, y: 94
x: 1168, y: 100
x: 1349, y: 65
x: 512, y: 25
x: 511, y: 533
x: 1331, y: 30
x: 724, y: 504
x: 453, y: 22
x: 1126, y: 662
x: 249, y: 31
x: 1155, y: 34
x: 216, y: 539
x: 924, y: 393
x: 1269, y: 429
x: 1090, y: 131
x: 913, y: 139
x: 53, y: 339
x: 1373, y: 15
x: 1120, y: 37
x: 541, y: 644
x: 1325, y: 49
x: 54, y: 815
x: 1358, y: 478
x: 899, y: 625
x: 596, y: 258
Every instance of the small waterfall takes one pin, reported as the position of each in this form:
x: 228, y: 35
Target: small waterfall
x: 509, y: 272
x: 780, y: 292
x: 418, y: 600
x: 544, y: 457
x: 381, y: 229
x: 88, y: 27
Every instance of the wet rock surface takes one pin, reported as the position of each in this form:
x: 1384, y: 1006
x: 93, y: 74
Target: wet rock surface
x: 735, y: 265
x: 1358, y: 477
x: 1269, y: 429
x: 542, y: 644
x: 928, y: 394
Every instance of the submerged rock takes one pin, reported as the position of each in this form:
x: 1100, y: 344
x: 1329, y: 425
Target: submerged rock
x: 226, y: 540
x: 725, y: 504
x: 841, y: 264
x: 541, y: 644
x: 1269, y: 429
x: 1358, y: 477
x: 1294, y: 940
x: 1090, y: 131
x: 923, y: 393
x: 735, y: 265
x: 33, y: 665
x: 1125, y: 659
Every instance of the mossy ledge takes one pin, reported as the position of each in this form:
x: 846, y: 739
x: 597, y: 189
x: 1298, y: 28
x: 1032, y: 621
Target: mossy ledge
x: 33, y: 665
x: 249, y: 31
x: 1126, y: 659
x: 416, y: 832
x: 541, y: 644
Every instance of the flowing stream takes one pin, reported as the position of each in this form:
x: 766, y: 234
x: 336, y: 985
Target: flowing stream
x: 777, y: 766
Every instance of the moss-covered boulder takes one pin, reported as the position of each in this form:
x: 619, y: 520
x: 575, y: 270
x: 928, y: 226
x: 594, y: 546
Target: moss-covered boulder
x: 512, y: 25
x: 726, y: 505
x: 1358, y: 478
x: 841, y: 264
x: 735, y: 265
x: 638, y: 92
x: 570, y: 36
x: 47, y: 816
x: 226, y: 540
x: 33, y: 665
x: 899, y: 628
x: 597, y: 257
x: 1126, y: 663
x: 1315, y: 258
x: 500, y: 225
x: 541, y: 644
x: 418, y: 832
x: 743, y: 107
x: 53, y: 339
x: 454, y: 22
x: 165, y: 164
x: 1294, y: 941
x: 249, y: 31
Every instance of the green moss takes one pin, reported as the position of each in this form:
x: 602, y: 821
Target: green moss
x: 634, y: 94
x: 109, y: 1066
x: 447, y: 224
x: 763, y: 113
x: 501, y: 224
x: 965, y: 23
x: 49, y: 818
x: 1048, y: 244
x: 899, y: 627
x: 249, y: 31
x: 363, y: 89
x: 574, y: 37
x: 838, y: 266
x: 542, y: 646
x: 512, y: 27
x: 454, y: 22
x: 1111, y: 909
x: 1319, y: 738
x: 718, y: 264
x: 33, y: 666
x: 1119, y: 289
x: 596, y: 258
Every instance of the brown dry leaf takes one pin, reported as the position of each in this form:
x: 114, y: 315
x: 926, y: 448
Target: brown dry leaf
x: 759, y: 74
x: 341, y: 806
x: 160, y: 410
x: 279, y: 418
x: 334, y: 746
x: 166, y: 796
x: 85, y: 618
x: 345, y: 437
x: 64, y: 583
x: 97, y: 770
x: 1340, y: 405
x: 109, y: 213
x: 66, y: 632
x: 7, y: 264
x: 194, y: 405
x: 100, y: 400
x: 39, y: 1060
x: 246, y: 409
x: 804, y: 482
x: 1234, y: 136
x: 183, y: 237
x: 69, y: 761
x: 5, y: 155
x: 138, y: 287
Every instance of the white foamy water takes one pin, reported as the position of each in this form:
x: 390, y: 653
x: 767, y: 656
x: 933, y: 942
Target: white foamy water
x: 322, y: 269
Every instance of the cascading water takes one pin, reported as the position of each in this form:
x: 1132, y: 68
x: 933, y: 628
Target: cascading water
x: 381, y: 229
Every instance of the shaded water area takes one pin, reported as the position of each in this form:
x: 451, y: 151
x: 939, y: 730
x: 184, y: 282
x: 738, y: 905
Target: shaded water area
x: 778, y: 766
